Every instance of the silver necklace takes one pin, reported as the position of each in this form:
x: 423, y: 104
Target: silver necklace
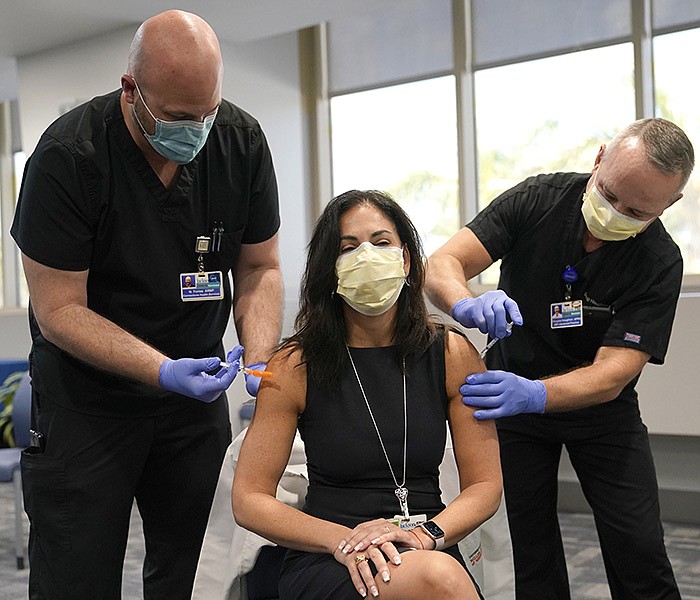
x: 401, y: 491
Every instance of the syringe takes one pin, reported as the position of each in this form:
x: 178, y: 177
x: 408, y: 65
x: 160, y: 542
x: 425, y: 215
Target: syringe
x: 509, y: 328
x: 253, y: 372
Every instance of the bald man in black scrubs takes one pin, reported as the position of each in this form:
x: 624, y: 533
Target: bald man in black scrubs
x: 123, y: 197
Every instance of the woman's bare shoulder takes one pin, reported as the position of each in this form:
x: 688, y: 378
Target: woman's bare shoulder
x: 287, y: 378
x: 461, y: 357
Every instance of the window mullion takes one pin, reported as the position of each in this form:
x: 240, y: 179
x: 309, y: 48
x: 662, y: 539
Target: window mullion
x: 643, y: 58
x: 466, y: 125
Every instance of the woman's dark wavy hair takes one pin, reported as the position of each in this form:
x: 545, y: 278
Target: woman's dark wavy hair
x: 320, y: 330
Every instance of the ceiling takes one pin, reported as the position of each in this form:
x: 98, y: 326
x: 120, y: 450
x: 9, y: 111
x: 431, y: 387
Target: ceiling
x: 30, y: 26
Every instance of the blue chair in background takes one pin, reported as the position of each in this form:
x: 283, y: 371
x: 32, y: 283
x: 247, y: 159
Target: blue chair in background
x: 10, y: 366
x: 10, y: 458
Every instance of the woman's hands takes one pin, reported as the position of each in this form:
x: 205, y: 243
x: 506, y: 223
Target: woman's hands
x: 374, y: 541
x: 357, y: 564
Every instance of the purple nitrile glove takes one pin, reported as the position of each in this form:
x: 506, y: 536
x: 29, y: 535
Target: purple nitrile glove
x: 503, y: 394
x: 190, y: 377
x: 488, y: 313
x: 252, y: 383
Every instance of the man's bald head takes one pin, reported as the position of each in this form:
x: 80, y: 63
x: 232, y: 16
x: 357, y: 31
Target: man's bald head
x: 175, y: 47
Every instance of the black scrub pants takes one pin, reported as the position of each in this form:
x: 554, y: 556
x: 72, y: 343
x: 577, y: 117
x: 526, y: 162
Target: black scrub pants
x: 79, y: 494
x: 614, y: 465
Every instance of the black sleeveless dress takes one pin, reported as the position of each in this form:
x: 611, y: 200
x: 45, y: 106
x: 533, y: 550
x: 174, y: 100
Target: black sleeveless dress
x: 349, y: 479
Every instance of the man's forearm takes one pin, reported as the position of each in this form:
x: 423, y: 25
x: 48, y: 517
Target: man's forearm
x: 445, y: 282
x: 257, y: 309
x: 101, y: 343
x: 597, y: 383
x: 452, y: 266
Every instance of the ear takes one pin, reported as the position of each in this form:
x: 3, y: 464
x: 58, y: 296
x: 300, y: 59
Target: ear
x: 406, y: 260
x: 672, y: 202
x: 599, y: 157
x: 128, y: 88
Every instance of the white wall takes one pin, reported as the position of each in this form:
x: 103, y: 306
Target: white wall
x: 8, y: 78
x: 263, y: 78
x: 14, y: 334
x: 668, y: 394
x: 64, y: 77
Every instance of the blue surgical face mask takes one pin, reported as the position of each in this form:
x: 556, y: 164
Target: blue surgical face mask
x: 179, y: 141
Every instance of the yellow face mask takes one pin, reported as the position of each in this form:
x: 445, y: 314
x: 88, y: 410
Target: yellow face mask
x: 604, y: 222
x: 370, y: 279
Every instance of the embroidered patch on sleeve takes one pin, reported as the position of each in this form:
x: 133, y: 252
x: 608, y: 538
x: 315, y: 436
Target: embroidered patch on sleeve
x: 633, y: 337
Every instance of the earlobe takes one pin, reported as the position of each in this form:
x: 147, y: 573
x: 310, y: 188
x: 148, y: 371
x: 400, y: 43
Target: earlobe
x: 406, y: 260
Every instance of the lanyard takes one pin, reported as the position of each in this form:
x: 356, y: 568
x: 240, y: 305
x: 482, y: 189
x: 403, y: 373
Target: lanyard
x: 401, y: 490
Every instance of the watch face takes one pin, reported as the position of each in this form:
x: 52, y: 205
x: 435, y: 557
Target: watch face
x: 433, y: 529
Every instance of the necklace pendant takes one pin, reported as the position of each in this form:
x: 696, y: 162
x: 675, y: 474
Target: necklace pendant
x: 402, y: 494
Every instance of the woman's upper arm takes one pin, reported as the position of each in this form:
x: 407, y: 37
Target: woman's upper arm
x: 268, y: 441
x: 475, y: 442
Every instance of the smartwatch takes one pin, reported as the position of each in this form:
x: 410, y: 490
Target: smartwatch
x: 435, y: 532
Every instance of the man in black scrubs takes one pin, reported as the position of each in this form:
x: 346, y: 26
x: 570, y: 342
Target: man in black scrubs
x: 123, y: 200
x: 593, y: 246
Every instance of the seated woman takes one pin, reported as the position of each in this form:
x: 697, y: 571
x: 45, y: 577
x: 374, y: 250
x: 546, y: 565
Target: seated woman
x: 370, y: 382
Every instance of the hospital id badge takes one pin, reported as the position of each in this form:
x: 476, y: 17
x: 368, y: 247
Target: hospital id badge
x: 412, y: 522
x: 566, y: 314
x: 207, y: 285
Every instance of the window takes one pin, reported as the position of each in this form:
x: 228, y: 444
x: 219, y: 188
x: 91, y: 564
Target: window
x: 13, y: 291
x: 393, y: 110
x: 676, y: 95
x: 22, y: 292
x: 548, y: 115
x: 403, y: 140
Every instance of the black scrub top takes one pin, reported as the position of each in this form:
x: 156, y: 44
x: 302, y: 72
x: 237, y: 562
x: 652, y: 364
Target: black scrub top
x: 537, y: 228
x: 90, y: 200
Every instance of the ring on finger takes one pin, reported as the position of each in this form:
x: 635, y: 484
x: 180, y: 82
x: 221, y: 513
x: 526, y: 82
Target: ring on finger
x: 360, y: 558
